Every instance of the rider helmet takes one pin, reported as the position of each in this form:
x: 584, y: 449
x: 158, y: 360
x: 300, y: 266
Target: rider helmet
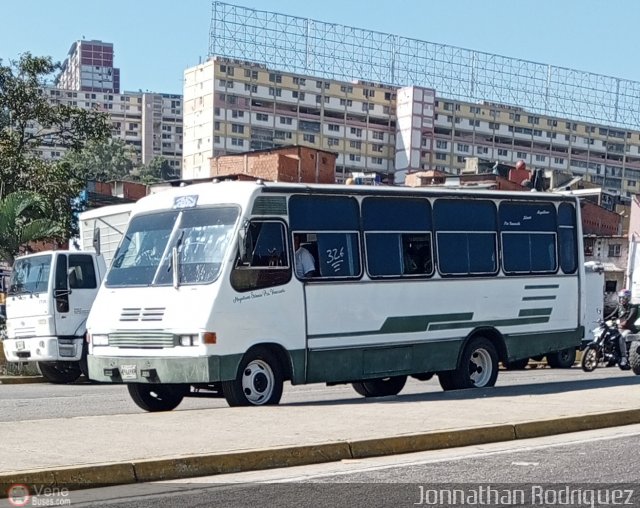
x: 624, y: 297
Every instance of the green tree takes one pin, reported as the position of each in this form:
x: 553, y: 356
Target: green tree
x: 158, y: 170
x: 102, y: 160
x: 30, y: 118
x: 23, y: 220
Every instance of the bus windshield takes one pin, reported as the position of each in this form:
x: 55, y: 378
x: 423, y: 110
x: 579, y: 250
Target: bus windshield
x: 200, y: 235
x: 30, y: 275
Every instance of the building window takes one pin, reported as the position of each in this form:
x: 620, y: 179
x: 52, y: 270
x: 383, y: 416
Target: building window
x: 610, y: 286
x: 333, y: 127
x: 238, y: 129
x: 378, y: 135
x: 354, y: 158
x: 614, y: 250
x: 333, y: 141
x: 237, y: 114
x: 540, y: 158
x: 558, y: 160
x: 443, y: 145
x: 502, y: 152
x: 376, y: 160
x: 275, y: 78
x: 309, y: 137
x: 357, y: 131
x: 346, y: 88
x: 474, y: 110
x: 521, y: 155
x: 463, y: 147
x: 377, y: 147
x: 441, y: 156
x: 286, y: 120
x: 262, y: 117
x: 237, y: 142
x: 355, y: 144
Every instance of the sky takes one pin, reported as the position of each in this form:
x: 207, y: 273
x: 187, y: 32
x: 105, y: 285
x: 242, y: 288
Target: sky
x: 154, y: 41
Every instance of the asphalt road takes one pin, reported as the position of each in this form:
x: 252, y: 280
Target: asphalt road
x: 43, y: 400
x: 595, y: 467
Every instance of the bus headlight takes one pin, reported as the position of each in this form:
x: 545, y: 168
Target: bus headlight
x: 187, y: 340
x: 100, y: 340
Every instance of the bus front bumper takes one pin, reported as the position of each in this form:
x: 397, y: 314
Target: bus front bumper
x: 184, y: 370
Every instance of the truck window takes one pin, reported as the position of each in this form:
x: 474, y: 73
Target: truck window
x: 82, y: 274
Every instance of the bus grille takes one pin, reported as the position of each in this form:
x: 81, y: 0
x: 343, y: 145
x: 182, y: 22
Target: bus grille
x: 142, y: 340
x: 142, y: 314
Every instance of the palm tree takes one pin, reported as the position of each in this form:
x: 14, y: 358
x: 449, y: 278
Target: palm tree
x: 22, y: 220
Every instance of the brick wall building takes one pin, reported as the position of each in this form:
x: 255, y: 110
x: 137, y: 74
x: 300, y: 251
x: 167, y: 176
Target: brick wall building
x: 285, y: 164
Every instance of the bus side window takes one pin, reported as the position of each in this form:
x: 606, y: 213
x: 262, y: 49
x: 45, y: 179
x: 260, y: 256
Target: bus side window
x: 266, y: 263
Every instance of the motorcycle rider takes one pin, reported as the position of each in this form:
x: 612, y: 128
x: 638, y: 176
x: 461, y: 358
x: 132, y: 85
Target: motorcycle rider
x: 626, y: 314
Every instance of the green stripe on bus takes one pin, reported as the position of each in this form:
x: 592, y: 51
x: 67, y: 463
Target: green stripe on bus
x: 402, y: 324
x: 535, y: 312
x: 535, y: 298
x: 546, y: 286
x: 499, y: 322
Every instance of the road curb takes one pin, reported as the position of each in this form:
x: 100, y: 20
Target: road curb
x: 20, y: 380
x: 137, y: 471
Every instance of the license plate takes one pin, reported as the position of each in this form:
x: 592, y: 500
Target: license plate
x: 128, y: 372
x: 19, y: 345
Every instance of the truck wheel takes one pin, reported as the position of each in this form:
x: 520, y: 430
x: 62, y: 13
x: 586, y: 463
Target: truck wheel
x: 562, y: 359
x: 60, y: 372
x: 516, y: 364
x: 634, y: 357
x: 589, y: 359
x: 154, y: 398
x: 258, y: 382
x: 382, y: 387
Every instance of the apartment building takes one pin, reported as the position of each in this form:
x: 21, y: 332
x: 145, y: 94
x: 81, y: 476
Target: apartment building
x: 151, y: 123
x: 89, y: 67
x: 235, y: 106
x: 232, y: 106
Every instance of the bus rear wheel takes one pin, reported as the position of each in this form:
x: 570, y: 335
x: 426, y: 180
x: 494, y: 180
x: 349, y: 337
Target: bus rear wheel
x: 562, y: 359
x: 382, y: 387
x: 259, y: 381
x: 478, y: 367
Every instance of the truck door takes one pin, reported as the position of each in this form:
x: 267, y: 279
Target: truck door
x: 78, y: 273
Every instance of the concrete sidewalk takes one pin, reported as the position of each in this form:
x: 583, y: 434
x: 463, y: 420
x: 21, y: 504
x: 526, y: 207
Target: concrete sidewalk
x: 100, y: 450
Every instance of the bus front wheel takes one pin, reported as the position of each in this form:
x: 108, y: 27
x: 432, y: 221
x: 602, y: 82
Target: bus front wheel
x: 382, y: 387
x: 258, y: 382
x: 154, y: 398
x: 478, y: 367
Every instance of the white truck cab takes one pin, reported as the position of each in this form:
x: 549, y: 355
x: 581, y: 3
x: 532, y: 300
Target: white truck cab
x: 50, y: 293
x: 49, y: 297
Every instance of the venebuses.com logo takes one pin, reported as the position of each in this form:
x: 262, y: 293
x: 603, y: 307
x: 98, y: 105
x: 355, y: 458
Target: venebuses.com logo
x: 18, y: 494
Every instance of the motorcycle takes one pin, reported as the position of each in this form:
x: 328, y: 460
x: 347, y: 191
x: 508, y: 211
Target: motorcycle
x: 604, y: 349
